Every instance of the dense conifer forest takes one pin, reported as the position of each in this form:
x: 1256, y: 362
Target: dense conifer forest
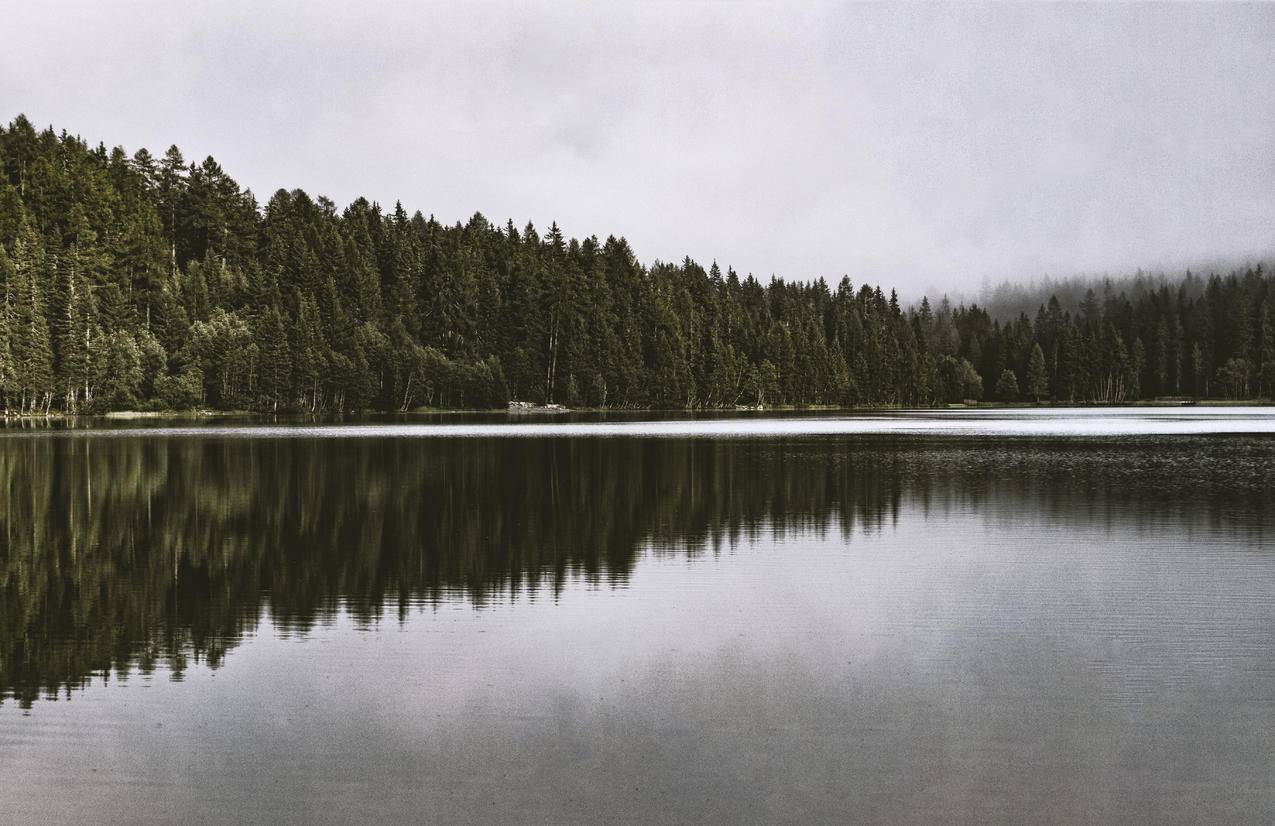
x: 145, y: 282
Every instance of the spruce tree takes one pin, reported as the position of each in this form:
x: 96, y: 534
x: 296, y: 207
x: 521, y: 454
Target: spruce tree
x: 7, y: 365
x: 30, y: 345
x: 1266, y: 348
x: 1007, y: 386
x: 1037, y: 376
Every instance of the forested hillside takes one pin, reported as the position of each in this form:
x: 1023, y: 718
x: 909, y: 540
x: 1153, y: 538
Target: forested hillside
x: 136, y: 281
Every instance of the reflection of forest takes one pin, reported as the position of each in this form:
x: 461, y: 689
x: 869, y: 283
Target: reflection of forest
x: 128, y: 551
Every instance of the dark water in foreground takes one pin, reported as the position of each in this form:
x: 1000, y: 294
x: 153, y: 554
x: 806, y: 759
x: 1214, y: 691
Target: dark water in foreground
x: 982, y: 623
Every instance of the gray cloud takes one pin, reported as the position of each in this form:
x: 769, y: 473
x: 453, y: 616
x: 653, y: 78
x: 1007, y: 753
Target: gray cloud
x: 911, y: 145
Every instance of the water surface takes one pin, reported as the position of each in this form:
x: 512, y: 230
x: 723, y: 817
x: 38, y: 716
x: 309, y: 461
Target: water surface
x: 917, y: 617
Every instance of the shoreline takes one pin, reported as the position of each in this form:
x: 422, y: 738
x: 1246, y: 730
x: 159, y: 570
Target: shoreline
x: 155, y: 415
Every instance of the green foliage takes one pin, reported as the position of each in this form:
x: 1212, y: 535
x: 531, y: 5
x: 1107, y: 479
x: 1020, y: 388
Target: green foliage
x: 154, y: 282
x: 1037, y: 378
x: 117, y: 362
x: 958, y: 380
x: 29, y: 341
x: 1232, y: 378
x: 181, y: 392
x: 1007, y: 386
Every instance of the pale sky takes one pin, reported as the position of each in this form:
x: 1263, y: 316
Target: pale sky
x: 916, y: 146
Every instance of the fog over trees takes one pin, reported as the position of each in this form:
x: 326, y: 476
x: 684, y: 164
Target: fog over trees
x: 154, y: 282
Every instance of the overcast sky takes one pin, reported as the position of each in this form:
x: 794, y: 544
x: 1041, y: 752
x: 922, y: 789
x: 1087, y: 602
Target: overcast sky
x: 916, y: 146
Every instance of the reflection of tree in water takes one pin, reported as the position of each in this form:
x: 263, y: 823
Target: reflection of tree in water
x: 127, y: 552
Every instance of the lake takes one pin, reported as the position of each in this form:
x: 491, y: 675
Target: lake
x: 920, y: 617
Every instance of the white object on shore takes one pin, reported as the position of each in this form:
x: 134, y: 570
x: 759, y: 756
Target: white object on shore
x: 531, y: 407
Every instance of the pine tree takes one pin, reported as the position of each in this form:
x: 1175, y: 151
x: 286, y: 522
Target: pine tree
x: 1266, y: 348
x: 30, y: 346
x: 1037, y: 377
x: 171, y: 191
x: 1199, y: 377
x: 7, y: 364
x: 1007, y: 386
x: 276, y: 359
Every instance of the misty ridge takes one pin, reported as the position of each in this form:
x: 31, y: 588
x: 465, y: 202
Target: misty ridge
x: 1007, y: 300
x: 145, y: 282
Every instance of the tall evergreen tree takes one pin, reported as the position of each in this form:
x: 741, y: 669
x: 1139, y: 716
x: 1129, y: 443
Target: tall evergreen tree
x: 1007, y: 386
x: 1037, y: 376
x: 30, y: 346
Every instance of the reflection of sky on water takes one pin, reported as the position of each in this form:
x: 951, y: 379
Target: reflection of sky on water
x: 944, y: 668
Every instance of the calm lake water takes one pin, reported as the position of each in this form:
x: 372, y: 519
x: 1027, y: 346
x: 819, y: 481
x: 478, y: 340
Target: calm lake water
x: 970, y: 616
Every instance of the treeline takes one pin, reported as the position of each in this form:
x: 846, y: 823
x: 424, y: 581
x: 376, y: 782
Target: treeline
x: 1143, y: 338
x: 149, y: 282
x: 1135, y: 338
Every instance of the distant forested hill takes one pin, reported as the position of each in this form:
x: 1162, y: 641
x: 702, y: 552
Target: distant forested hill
x: 150, y: 282
x: 1131, y: 338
